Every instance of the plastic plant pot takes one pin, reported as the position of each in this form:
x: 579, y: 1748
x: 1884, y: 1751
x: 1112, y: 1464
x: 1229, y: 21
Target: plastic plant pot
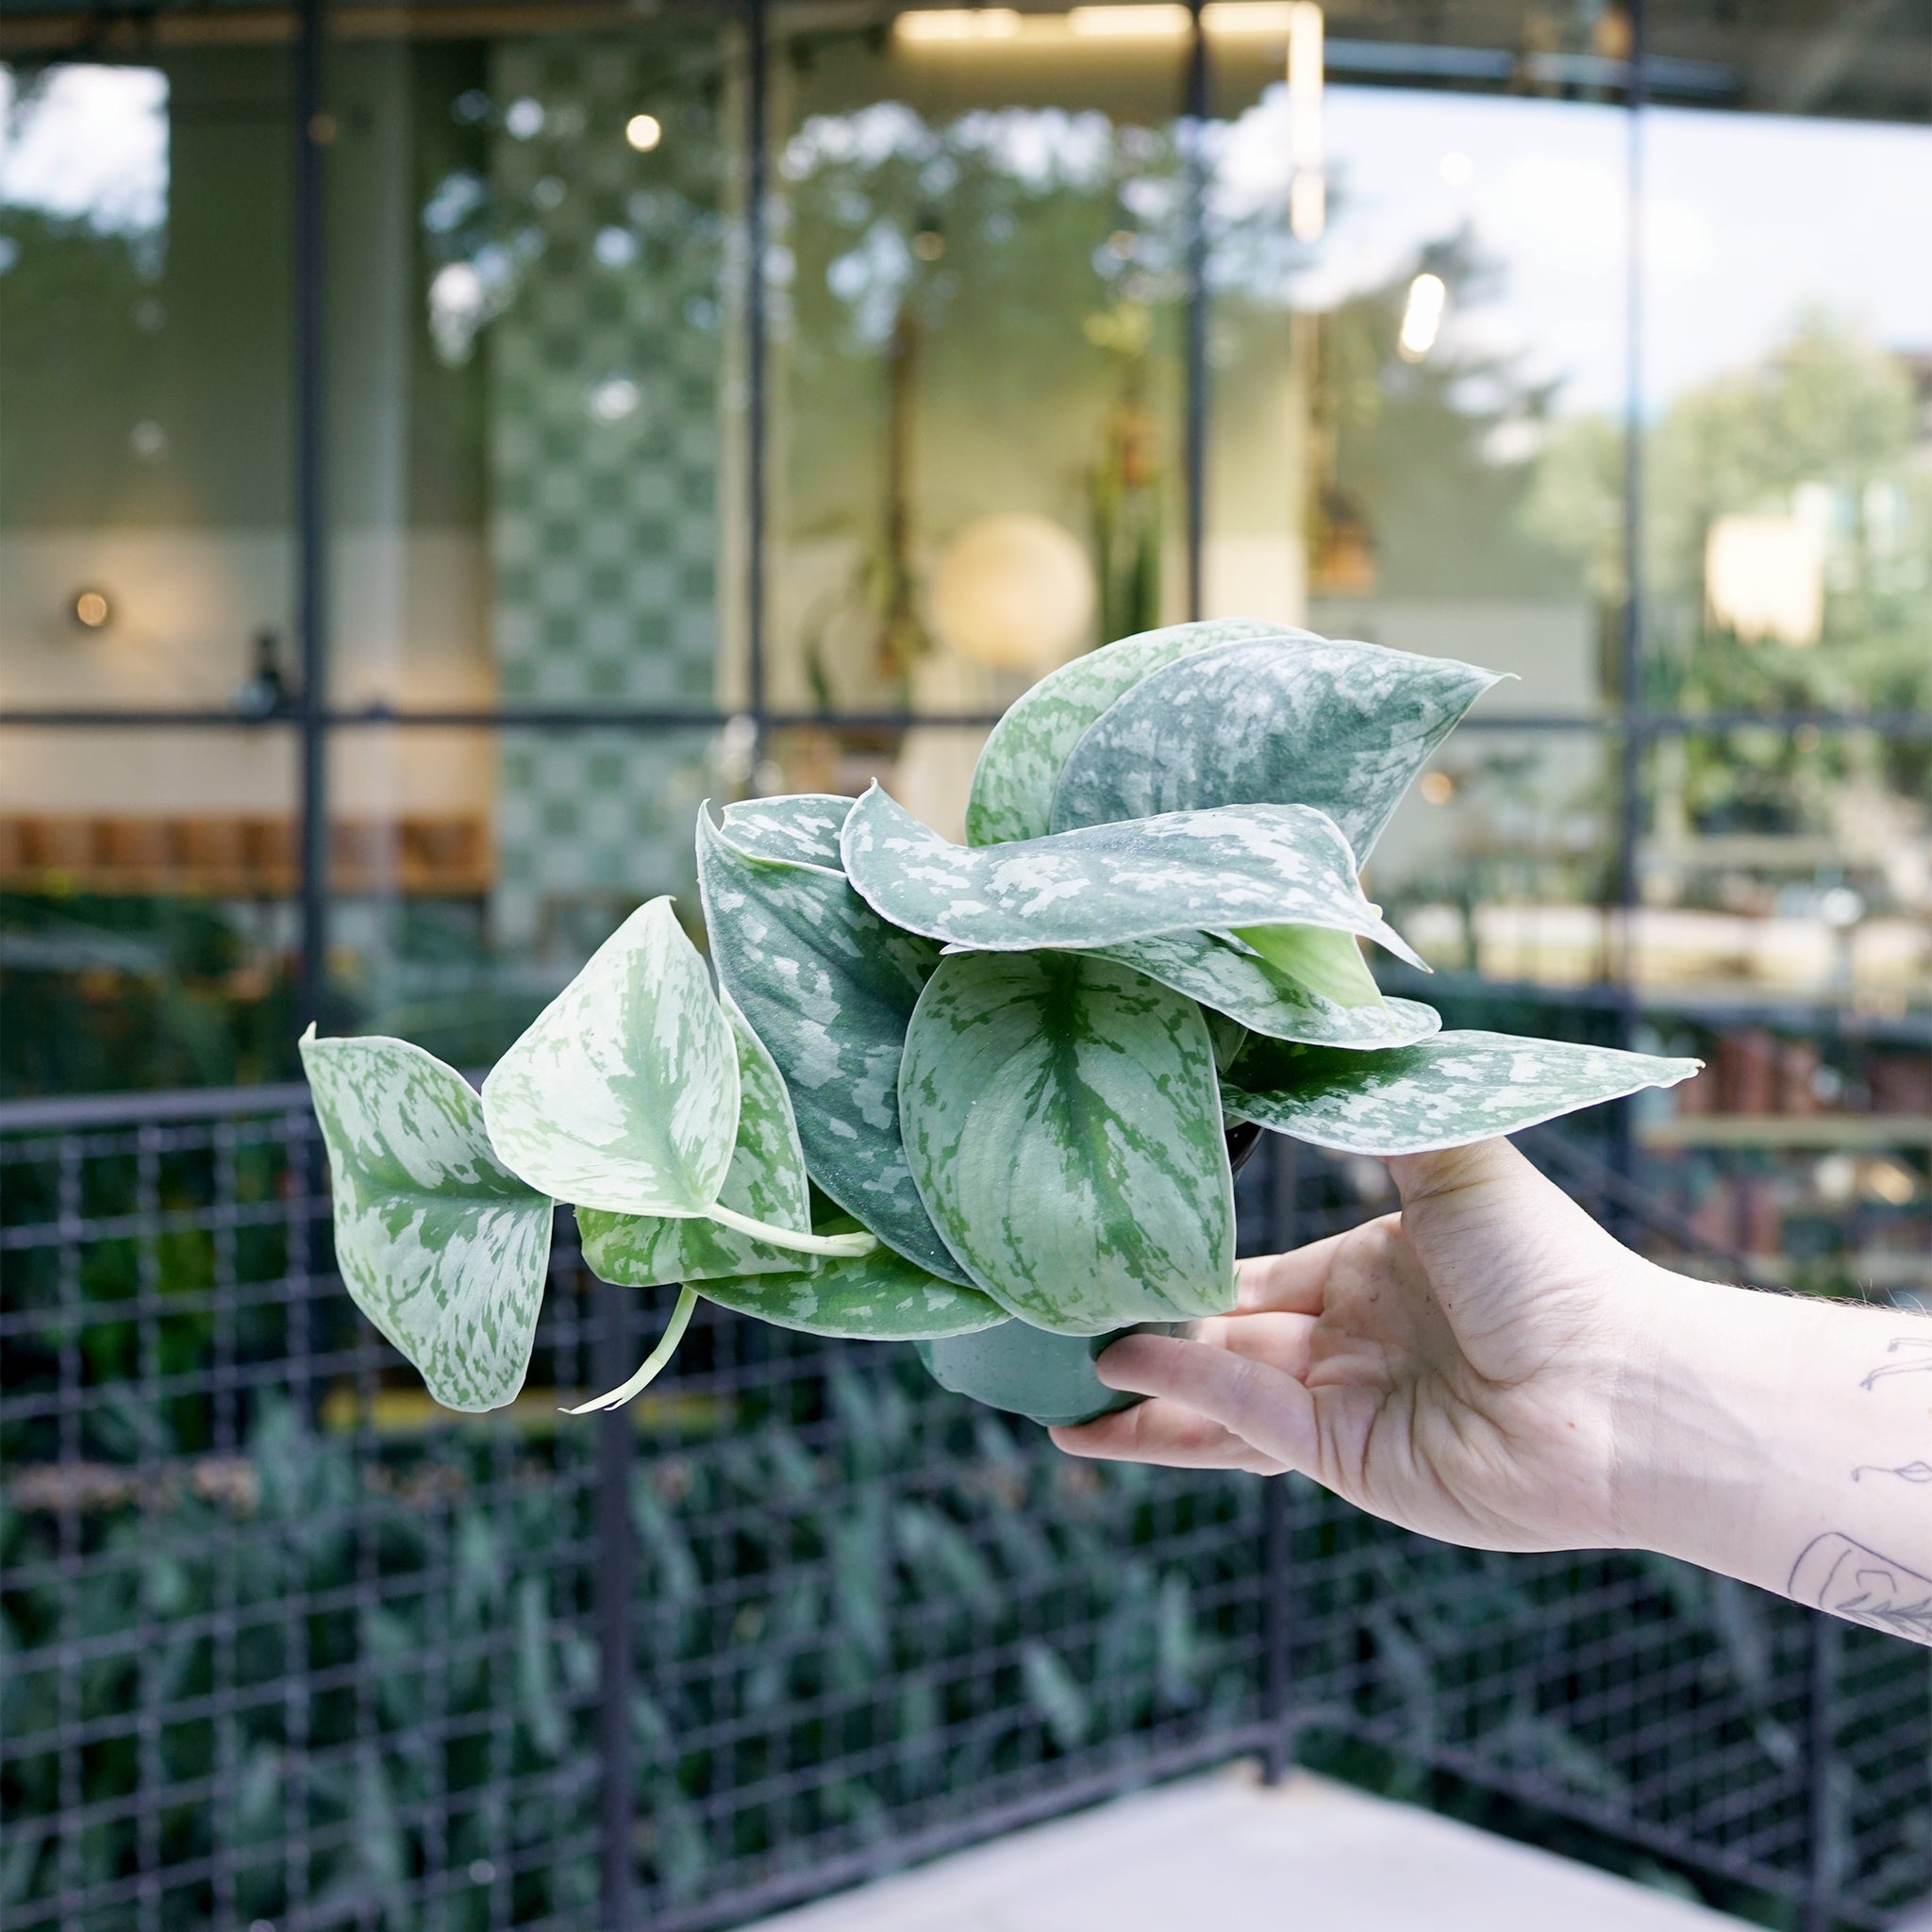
x: 1026, y: 1370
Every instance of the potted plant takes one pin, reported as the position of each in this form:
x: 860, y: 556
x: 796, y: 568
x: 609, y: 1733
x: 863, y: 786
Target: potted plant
x: 977, y: 1097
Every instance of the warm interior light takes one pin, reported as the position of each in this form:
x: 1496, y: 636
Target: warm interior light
x: 644, y: 132
x: 1438, y: 788
x: 1308, y: 204
x: 1421, y: 317
x: 958, y: 24
x: 1013, y: 591
x: 92, y: 611
x: 1764, y: 578
x: 1129, y: 23
x: 1307, y: 193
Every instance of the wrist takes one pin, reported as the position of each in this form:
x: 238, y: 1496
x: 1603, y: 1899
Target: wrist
x: 1693, y: 1461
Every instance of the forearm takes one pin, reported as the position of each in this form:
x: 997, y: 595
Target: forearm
x: 1785, y: 1441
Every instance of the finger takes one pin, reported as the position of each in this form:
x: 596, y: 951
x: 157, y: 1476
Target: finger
x: 1261, y: 1405
x: 1282, y: 1341
x: 1294, y: 1283
x: 1166, y: 1433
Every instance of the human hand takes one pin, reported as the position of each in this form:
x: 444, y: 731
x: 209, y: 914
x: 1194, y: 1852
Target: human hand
x: 1462, y: 1367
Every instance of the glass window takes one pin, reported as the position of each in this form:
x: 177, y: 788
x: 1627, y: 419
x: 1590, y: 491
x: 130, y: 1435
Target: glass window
x: 1788, y: 515
x: 145, y: 874
x: 145, y: 394
x: 977, y: 299
x: 1403, y: 356
x: 529, y: 332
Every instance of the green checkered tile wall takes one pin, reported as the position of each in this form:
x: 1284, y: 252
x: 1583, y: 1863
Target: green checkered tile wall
x: 604, y: 396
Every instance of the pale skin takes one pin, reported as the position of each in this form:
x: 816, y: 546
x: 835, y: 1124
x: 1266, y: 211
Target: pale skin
x: 1488, y: 1366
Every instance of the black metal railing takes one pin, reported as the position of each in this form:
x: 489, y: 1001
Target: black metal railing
x: 282, y: 1644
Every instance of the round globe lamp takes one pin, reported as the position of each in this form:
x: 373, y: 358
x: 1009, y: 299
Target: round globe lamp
x: 1013, y: 591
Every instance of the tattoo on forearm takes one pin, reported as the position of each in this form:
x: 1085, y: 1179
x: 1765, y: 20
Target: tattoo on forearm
x: 1905, y: 1472
x: 1919, y: 1361
x: 1834, y: 1573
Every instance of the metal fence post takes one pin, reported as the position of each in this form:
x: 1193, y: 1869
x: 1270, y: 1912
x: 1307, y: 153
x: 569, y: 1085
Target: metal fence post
x: 1820, y: 1746
x: 616, y: 1560
x: 1277, y: 1554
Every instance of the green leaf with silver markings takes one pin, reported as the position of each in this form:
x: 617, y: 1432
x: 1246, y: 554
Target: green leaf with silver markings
x: 1266, y: 1000
x: 1443, y: 1091
x: 765, y: 1182
x: 828, y: 986
x: 1340, y: 727
x: 878, y: 1297
x: 1013, y: 784
x: 622, y: 1094
x: 803, y: 827
x: 440, y: 1244
x: 1063, y: 1125
x: 1245, y: 865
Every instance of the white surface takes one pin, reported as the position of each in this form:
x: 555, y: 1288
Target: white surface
x: 1224, y: 1854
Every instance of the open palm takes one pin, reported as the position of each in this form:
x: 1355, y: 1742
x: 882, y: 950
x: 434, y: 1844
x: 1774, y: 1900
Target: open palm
x: 1455, y: 1367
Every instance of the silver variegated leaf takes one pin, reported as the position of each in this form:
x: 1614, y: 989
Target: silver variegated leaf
x: 622, y: 1094
x: 440, y: 1244
x: 1344, y: 728
x: 1267, y: 1000
x: 803, y: 827
x: 765, y: 1182
x: 1105, y: 885
x: 1062, y: 1121
x: 1444, y: 1092
x: 1013, y: 784
x: 828, y: 986
x: 879, y: 1297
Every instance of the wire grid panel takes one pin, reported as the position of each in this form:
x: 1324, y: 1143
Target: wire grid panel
x: 872, y: 1616
x: 274, y: 1652
x: 285, y: 1645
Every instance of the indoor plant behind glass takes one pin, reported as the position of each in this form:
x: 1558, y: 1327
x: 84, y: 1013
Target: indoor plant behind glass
x: 974, y: 1097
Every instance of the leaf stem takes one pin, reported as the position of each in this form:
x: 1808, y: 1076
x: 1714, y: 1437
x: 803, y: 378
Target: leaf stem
x: 653, y: 1363
x: 848, y: 1247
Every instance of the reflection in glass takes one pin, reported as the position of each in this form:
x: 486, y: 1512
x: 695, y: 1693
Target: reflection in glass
x: 475, y: 871
x: 975, y: 342
x: 1790, y: 864
x: 144, y: 386
x: 528, y: 359
x: 1385, y: 394
x: 1498, y: 860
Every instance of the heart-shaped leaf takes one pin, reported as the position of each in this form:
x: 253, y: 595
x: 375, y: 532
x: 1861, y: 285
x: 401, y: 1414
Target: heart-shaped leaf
x: 1340, y: 727
x: 1267, y: 1000
x: 1013, y: 784
x: 879, y: 1297
x: 803, y: 827
x: 828, y: 986
x: 1062, y: 1121
x: 1244, y: 865
x: 765, y: 1182
x: 624, y: 1093
x: 440, y: 1246
x: 1445, y: 1092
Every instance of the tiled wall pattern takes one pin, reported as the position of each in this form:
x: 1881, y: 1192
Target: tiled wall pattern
x: 604, y: 397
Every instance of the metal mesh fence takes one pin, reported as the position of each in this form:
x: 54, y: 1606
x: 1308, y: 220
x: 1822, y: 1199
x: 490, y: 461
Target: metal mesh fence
x: 285, y: 1645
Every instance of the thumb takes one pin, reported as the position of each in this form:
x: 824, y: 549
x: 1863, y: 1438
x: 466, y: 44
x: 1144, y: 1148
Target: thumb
x: 1421, y: 1177
x: 1265, y: 1407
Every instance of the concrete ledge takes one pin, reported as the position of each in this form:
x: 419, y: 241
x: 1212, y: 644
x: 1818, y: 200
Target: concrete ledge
x: 1226, y: 1853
